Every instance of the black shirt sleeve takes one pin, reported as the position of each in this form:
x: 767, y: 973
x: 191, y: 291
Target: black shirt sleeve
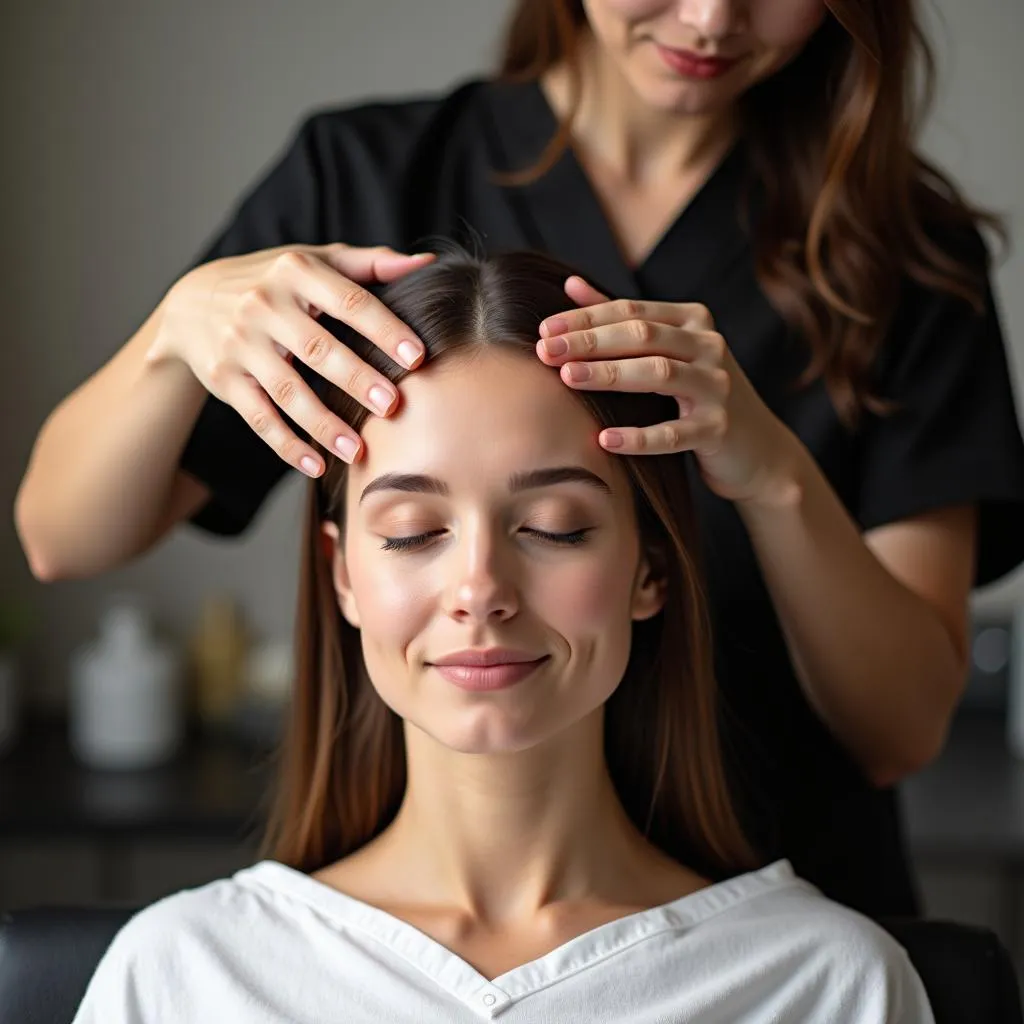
x: 282, y: 208
x: 956, y: 438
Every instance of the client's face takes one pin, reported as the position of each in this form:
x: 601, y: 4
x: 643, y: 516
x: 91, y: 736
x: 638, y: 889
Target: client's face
x: 486, y: 518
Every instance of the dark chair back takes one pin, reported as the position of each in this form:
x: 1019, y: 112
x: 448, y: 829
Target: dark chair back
x: 48, y: 955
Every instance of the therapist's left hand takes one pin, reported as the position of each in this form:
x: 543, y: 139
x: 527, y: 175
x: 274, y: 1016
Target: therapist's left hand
x: 745, y: 452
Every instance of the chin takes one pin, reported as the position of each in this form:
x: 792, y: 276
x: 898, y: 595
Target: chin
x: 688, y: 99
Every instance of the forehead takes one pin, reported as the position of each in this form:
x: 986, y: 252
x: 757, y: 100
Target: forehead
x: 480, y: 415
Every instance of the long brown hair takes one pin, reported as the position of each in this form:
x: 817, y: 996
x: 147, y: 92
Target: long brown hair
x: 341, y: 764
x: 847, y: 207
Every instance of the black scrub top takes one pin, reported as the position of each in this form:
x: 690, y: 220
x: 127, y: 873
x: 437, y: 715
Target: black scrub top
x: 397, y: 172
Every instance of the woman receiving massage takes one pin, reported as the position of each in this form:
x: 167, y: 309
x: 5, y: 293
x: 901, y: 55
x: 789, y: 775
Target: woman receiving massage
x: 501, y: 791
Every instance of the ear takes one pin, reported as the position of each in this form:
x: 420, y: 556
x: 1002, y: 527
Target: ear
x: 330, y: 544
x: 649, y: 589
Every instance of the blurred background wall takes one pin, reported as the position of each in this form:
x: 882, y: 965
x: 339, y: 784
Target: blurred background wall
x: 130, y: 129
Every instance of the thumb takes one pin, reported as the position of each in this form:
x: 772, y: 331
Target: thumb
x: 582, y: 293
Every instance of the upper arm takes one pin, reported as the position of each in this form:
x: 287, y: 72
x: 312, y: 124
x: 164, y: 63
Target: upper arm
x: 933, y: 555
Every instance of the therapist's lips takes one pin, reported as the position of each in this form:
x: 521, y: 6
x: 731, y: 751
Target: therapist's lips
x: 692, y: 65
x: 492, y: 669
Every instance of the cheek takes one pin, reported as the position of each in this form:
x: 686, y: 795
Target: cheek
x: 588, y: 604
x: 393, y: 607
x: 786, y: 25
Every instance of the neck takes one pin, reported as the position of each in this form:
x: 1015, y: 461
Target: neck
x: 501, y: 838
x: 636, y: 142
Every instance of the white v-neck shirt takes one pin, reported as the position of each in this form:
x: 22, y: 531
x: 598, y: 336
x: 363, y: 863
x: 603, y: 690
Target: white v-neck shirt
x: 271, y: 945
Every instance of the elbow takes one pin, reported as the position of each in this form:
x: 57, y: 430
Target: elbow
x: 911, y: 758
x: 42, y: 567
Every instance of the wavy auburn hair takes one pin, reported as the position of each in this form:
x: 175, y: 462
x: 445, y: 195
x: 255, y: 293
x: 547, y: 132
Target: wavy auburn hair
x: 341, y: 765
x: 847, y: 207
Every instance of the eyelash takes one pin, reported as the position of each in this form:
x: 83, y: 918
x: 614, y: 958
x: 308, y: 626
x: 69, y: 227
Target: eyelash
x: 563, y: 539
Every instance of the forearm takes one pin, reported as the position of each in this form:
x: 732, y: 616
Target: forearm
x: 874, y: 659
x: 104, y: 462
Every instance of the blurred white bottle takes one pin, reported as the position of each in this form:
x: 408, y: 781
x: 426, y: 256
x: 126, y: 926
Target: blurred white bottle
x: 126, y: 708
x: 1015, y: 686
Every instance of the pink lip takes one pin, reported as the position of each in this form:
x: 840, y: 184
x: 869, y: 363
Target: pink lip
x: 486, y: 656
x: 491, y: 677
x: 691, y: 65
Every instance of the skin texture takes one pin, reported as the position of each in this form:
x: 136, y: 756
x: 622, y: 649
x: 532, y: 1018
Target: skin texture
x: 643, y: 122
x: 509, y: 808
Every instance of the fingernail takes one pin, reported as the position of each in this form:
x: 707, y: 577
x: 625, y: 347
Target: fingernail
x: 309, y: 465
x: 554, y: 325
x: 421, y: 255
x: 578, y: 372
x: 346, y: 447
x: 381, y: 399
x: 408, y: 353
x: 611, y: 439
x: 556, y: 346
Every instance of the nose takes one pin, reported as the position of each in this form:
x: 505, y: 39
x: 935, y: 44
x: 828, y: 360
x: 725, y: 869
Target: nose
x: 713, y: 19
x: 481, y: 587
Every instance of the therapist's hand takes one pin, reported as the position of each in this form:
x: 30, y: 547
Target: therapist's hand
x: 241, y: 322
x: 745, y: 452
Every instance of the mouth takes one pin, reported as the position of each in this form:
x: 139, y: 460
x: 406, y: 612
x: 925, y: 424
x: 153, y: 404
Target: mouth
x: 694, y: 65
x: 495, y: 675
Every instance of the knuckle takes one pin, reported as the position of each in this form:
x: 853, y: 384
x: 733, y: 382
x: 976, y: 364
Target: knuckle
x: 292, y: 260
x: 261, y: 421
x: 217, y: 376
x: 357, y: 381
x: 661, y: 368
x: 283, y: 391
x: 588, y: 341
x: 233, y: 341
x: 672, y: 436
x: 323, y: 430
x: 355, y: 299
x: 315, y: 350
x: 722, y: 381
x: 627, y: 309
x: 717, y: 424
x: 643, y: 331
x: 291, y: 450
x: 612, y: 372
x: 255, y: 301
x: 702, y: 315
x: 715, y: 345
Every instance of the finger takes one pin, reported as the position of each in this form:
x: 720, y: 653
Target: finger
x: 656, y: 374
x: 286, y: 390
x: 665, y: 438
x: 678, y: 314
x: 378, y: 263
x: 251, y: 401
x: 582, y: 292
x: 321, y: 285
x: 321, y: 351
x: 631, y: 338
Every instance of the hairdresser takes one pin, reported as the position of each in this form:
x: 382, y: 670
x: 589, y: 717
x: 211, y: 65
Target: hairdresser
x: 760, y: 239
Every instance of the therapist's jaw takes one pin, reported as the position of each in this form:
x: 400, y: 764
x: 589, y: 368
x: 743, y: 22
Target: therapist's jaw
x: 755, y: 37
x: 423, y: 575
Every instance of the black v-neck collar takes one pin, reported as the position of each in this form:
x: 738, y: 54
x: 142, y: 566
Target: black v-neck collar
x: 562, y: 214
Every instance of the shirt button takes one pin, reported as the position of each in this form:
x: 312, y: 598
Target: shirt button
x: 489, y: 1000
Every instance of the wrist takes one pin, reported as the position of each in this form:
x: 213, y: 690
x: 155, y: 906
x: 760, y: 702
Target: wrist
x: 784, y: 484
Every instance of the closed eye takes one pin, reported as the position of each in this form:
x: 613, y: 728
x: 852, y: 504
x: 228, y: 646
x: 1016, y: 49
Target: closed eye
x: 419, y: 539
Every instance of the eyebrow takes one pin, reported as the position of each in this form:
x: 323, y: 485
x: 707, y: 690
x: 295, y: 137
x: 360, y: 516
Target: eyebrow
x: 420, y: 483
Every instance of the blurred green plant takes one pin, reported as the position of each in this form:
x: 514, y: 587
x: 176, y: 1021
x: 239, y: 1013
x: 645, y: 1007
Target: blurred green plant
x: 16, y: 624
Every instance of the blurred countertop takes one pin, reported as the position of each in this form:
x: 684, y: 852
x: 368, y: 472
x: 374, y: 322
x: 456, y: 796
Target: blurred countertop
x: 967, y: 805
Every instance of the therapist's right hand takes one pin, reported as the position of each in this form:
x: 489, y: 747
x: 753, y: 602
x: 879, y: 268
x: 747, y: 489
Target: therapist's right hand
x: 238, y: 323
